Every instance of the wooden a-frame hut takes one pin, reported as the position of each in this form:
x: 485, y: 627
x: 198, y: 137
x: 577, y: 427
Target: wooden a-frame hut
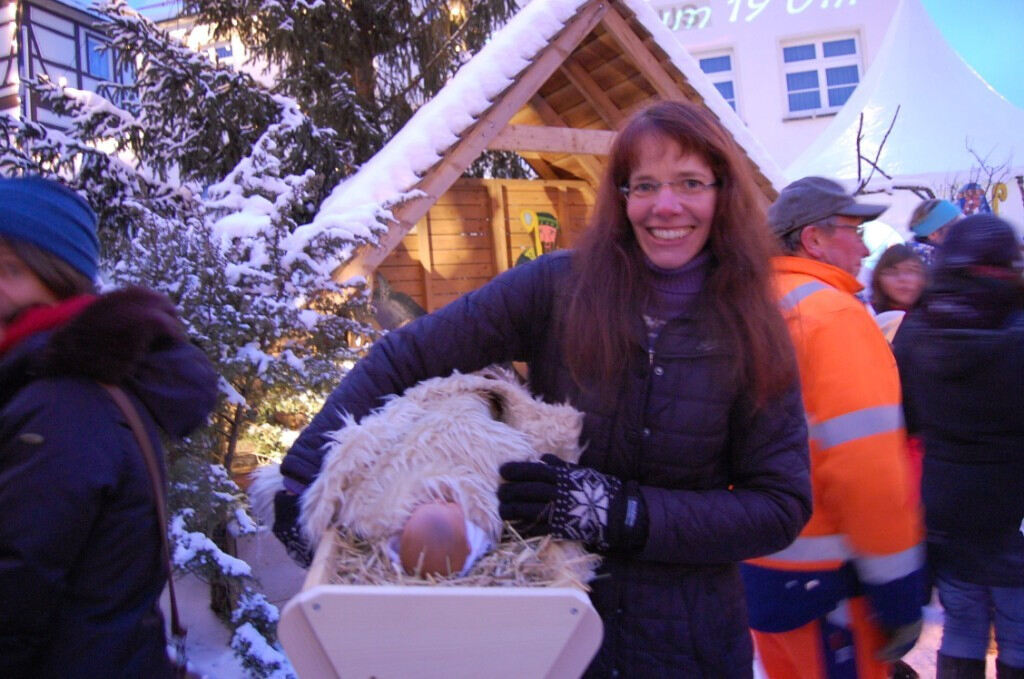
x: 551, y: 85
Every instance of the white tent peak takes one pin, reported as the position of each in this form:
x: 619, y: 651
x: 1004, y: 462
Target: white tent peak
x: 945, y: 109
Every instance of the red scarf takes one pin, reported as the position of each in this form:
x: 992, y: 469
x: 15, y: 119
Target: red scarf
x: 40, y: 318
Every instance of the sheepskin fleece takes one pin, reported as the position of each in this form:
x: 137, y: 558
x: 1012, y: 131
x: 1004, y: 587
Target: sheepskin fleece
x: 444, y: 439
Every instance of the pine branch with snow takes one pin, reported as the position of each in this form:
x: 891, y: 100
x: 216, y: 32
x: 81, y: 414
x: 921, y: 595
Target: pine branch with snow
x: 360, y: 67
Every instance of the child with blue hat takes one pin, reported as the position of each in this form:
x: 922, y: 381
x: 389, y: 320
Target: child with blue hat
x: 929, y: 222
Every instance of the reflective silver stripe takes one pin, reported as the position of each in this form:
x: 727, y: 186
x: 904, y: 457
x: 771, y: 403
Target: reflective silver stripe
x: 820, y: 548
x: 858, y: 424
x: 800, y: 292
x: 878, y: 570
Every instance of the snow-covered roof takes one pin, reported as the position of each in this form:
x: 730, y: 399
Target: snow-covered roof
x: 87, y: 6
x: 391, y: 176
x: 388, y: 178
x: 944, y: 108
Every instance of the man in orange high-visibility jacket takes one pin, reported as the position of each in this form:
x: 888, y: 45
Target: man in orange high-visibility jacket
x: 845, y: 599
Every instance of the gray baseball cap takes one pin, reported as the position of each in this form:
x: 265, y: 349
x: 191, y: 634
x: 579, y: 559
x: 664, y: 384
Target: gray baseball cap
x: 813, y: 199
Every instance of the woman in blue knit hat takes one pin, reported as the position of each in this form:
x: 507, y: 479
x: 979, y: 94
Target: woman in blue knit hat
x: 81, y: 566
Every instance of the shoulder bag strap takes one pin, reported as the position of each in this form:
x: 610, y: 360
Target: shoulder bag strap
x: 146, y: 446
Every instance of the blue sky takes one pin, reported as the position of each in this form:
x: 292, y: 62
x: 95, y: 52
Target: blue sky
x: 989, y: 35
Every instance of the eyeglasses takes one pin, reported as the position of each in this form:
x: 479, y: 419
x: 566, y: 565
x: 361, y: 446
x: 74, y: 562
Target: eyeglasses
x: 680, y: 188
x: 859, y: 229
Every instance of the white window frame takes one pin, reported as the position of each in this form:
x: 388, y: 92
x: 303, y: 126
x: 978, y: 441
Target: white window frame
x: 720, y: 77
x: 821, y: 65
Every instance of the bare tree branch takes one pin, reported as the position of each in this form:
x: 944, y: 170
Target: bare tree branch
x: 993, y: 174
x: 878, y: 154
x: 860, y: 135
x: 873, y: 168
x: 922, y: 192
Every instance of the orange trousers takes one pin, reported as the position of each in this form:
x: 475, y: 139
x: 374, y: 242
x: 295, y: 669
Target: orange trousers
x: 823, y: 650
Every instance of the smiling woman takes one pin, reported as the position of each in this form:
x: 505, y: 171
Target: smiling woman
x: 662, y: 330
x: 715, y: 224
x: 671, y: 226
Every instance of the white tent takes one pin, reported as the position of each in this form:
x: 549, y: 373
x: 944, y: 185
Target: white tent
x: 946, y: 110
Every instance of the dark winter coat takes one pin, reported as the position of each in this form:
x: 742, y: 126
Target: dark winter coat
x: 722, y: 481
x: 81, y: 568
x: 961, y: 360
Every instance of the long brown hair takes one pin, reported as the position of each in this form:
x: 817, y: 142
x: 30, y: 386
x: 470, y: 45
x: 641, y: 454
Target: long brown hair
x: 610, y: 286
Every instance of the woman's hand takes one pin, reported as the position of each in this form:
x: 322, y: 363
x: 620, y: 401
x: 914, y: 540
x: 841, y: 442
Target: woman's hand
x: 573, y: 502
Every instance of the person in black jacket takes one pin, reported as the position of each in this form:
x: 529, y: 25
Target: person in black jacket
x: 961, y: 359
x: 661, y: 328
x: 81, y: 566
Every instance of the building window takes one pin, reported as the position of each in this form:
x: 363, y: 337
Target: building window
x: 223, y: 51
x: 718, y: 68
x: 98, y: 57
x: 820, y: 75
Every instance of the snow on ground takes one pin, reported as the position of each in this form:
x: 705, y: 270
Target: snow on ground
x: 209, y: 652
x: 208, y: 639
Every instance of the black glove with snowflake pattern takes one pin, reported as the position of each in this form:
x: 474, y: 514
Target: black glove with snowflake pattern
x: 573, y: 502
x: 286, y: 527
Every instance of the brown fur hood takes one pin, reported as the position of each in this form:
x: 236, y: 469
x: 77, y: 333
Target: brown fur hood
x: 131, y: 337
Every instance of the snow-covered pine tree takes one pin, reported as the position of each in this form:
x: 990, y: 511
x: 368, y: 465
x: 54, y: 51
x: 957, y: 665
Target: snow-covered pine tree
x: 362, y: 67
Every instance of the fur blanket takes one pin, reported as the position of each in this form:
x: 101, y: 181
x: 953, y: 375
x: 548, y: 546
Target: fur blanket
x: 442, y: 440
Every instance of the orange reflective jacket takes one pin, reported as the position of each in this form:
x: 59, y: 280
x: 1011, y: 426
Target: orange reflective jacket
x: 863, y: 514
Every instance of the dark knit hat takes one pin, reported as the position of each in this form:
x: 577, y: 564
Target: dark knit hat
x: 813, y: 199
x: 980, y: 242
x: 52, y: 217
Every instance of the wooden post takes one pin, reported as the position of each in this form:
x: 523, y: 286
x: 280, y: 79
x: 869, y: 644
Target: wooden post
x: 563, y: 218
x: 497, y: 192
x: 426, y: 260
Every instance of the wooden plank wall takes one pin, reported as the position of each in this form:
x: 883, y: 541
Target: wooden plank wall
x: 474, y: 231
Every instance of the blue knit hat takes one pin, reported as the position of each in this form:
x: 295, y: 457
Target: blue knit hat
x: 52, y: 217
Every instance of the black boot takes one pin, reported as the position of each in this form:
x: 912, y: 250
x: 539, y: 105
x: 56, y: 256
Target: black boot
x: 1004, y: 671
x: 949, y: 667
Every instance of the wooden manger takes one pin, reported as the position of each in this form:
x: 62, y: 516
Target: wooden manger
x: 431, y: 630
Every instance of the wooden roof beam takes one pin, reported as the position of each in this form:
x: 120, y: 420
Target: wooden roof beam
x: 593, y: 93
x: 642, y: 57
x: 591, y: 165
x: 439, y: 178
x: 552, y: 140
